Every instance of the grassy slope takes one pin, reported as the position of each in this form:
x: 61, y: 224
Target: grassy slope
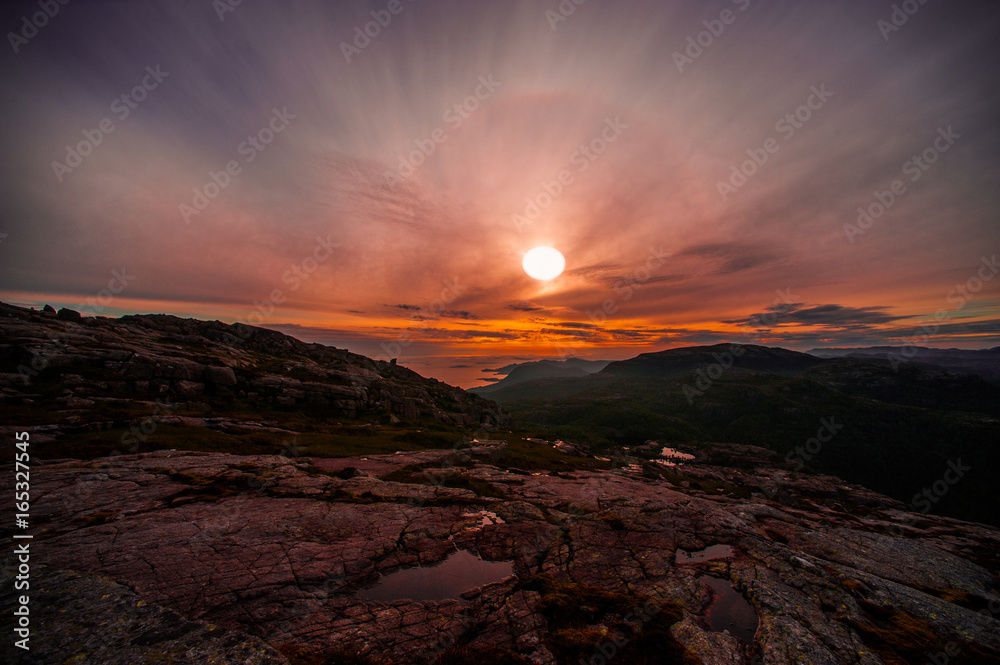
x: 893, y: 448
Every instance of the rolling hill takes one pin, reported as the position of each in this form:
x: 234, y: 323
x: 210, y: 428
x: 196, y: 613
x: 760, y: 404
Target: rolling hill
x: 898, y: 428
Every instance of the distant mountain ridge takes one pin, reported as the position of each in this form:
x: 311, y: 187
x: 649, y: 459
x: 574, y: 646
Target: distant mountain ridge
x: 901, y: 423
x: 674, y: 362
x: 982, y: 362
x: 542, y: 369
x: 682, y: 361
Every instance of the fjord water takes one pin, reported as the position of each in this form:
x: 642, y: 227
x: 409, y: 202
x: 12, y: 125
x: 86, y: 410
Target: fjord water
x: 458, y: 573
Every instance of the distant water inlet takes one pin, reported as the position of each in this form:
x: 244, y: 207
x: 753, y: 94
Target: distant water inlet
x: 460, y: 572
x: 730, y: 611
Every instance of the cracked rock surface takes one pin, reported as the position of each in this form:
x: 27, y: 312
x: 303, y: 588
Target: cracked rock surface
x: 90, y: 620
x: 235, y: 558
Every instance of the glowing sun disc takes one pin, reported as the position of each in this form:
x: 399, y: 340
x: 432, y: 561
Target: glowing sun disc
x: 544, y: 263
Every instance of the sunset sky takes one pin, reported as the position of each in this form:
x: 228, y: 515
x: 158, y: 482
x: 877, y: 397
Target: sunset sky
x: 383, y: 189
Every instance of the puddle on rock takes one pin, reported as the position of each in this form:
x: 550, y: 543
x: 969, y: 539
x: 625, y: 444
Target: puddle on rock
x: 447, y: 580
x: 486, y: 518
x: 730, y: 610
x: 672, y: 453
x: 712, y: 553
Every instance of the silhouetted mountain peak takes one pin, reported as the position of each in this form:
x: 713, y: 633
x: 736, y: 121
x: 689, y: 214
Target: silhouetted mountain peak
x: 673, y: 362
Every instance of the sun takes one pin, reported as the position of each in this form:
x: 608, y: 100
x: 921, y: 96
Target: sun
x: 544, y: 263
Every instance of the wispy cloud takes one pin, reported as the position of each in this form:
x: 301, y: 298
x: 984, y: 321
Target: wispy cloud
x: 436, y: 256
x: 828, y: 316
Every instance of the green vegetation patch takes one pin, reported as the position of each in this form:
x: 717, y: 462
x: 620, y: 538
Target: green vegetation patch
x: 525, y: 455
x: 335, y: 441
x: 415, y: 475
x: 202, y: 487
x: 707, y: 486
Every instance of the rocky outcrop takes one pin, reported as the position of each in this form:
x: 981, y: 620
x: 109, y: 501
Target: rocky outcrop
x: 185, y: 360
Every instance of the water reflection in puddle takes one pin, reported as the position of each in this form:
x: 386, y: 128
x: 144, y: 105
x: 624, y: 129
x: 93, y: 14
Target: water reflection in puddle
x: 671, y: 453
x: 730, y: 610
x: 486, y: 518
x: 712, y: 553
x: 460, y: 572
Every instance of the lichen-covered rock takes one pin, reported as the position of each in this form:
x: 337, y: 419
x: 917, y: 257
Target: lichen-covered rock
x: 91, y: 620
x: 278, y: 548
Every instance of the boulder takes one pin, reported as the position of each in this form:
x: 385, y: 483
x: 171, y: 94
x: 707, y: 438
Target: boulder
x: 220, y: 376
x: 66, y: 314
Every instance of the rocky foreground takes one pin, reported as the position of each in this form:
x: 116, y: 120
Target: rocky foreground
x: 176, y: 557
